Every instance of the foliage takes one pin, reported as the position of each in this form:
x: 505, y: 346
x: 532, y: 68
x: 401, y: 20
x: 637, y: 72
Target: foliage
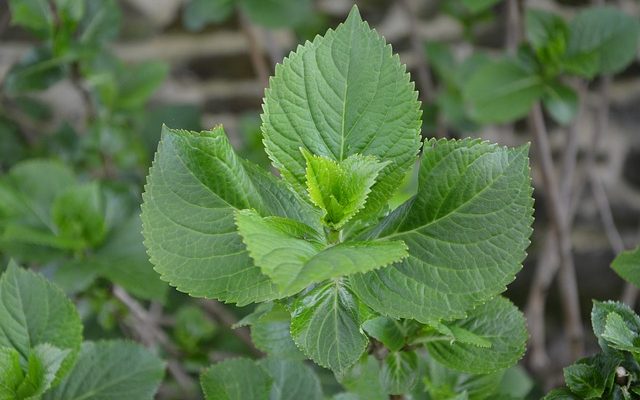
x: 316, y: 245
x: 42, y: 354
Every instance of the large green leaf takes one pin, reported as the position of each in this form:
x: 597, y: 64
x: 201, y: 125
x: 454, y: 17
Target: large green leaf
x: 34, y: 312
x: 325, y: 324
x: 343, y: 94
x: 193, y: 190
x: 112, y: 369
x: 627, y: 265
x: 291, y: 253
x: 340, y: 189
x: 601, y: 40
x: 467, y: 230
x: 32, y: 14
x: 499, y: 322
x: 292, y: 380
x: 236, y: 379
x: 502, y: 91
x: 387, y: 331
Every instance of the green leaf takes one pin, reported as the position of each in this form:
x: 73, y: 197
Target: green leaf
x: 618, y: 335
x: 35, y: 15
x: 101, y: 23
x: 325, y: 324
x: 561, y: 102
x: 478, y: 6
x: 627, y: 265
x: 548, y: 34
x: 601, y: 40
x: 600, y: 312
x: 78, y: 213
x: 291, y: 253
x: 585, y: 380
x: 561, y: 394
x: 516, y: 383
x: 12, y: 374
x: 123, y: 260
x: 236, y: 379
x: 277, y: 13
x: 292, y: 380
x: 499, y: 322
x: 43, y: 364
x: 38, y: 69
x: 194, y: 187
x: 386, y: 330
x: 192, y: 327
x: 138, y: 82
x: 34, y: 312
x: 271, y: 333
x: 199, y: 13
x: 340, y: 189
x: 467, y: 230
x: 363, y: 379
x: 399, y: 373
x: 502, y: 91
x: 343, y: 94
x: 444, y: 383
x: 111, y: 369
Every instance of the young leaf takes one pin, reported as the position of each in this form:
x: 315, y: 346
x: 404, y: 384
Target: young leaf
x: 292, y: 380
x: 78, y: 213
x: 194, y: 187
x: 601, y: 311
x: 499, y: 322
x: 100, y: 24
x: 325, y: 325
x: 385, y: 330
x: 502, y: 91
x: 343, y: 94
x: 618, y: 335
x: 43, y: 364
x: 236, y: 379
x: 35, y: 15
x: 340, y: 189
x: 38, y: 69
x: 627, y: 265
x: 561, y: 394
x: 399, y: 373
x: 34, y: 312
x: 601, y: 40
x: 271, y: 333
x: 111, y: 369
x: 548, y: 34
x: 290, y: 253
x: 12, y: 374
x: 467, y: 230
x: 561, y: 102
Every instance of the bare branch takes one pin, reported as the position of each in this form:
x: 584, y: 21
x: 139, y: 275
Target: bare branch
x: 559, y: 222
x: 255, y: 52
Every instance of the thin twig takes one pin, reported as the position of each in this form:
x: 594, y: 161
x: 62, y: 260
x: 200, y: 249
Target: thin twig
x: 425, y: 80
x: 514, y: 26
x: 547, y: 264
x: 225, y: 317
x: 559, y: 222
x: 601, y: 127
x: 257, y: 57
x: 147, y: 328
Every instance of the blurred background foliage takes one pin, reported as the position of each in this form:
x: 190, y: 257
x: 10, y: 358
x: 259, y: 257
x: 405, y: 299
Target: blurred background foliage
x: 87, y: 84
